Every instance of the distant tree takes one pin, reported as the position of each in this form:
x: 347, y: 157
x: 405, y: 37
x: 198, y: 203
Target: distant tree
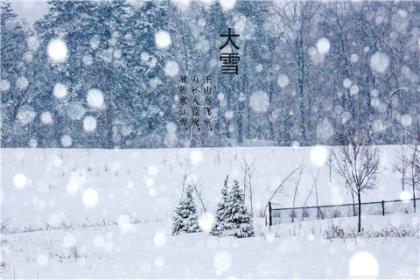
x: 16, y: 56
x: 357, y: 163
x: 185, y: 219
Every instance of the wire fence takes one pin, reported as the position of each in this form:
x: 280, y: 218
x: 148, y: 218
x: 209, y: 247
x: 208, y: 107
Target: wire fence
x: 277, y: 215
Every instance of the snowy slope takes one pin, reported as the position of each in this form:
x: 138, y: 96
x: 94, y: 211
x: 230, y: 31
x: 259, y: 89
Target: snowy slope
x: 70, y: 186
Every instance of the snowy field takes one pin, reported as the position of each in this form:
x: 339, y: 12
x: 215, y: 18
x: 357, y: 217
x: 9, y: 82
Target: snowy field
x: 106, y: 213
x: 74, y: 187
x: 149, y: 251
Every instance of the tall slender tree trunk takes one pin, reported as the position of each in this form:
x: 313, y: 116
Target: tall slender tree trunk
x: 359, y: 224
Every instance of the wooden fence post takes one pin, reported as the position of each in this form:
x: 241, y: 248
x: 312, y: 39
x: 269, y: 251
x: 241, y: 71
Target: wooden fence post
x: 383, y: 207
x: 270, y: 221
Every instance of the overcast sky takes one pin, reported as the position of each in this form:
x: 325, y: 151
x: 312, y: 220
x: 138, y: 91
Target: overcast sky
x: 30, y: 10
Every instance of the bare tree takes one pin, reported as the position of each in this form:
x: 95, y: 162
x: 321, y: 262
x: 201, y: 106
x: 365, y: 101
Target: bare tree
x: 248, y: 168
x: 413, y: 166
x: 400, y: 165
x: 408, y: 166
x: 357, y: 163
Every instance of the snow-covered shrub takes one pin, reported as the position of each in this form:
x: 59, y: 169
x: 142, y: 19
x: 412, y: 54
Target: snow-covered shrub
x: 389, y: 231
x: 232, y: 217
x: 185, y: 219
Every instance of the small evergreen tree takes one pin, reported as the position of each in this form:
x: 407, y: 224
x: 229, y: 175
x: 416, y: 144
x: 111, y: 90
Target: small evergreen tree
x: 237, y: 215
x: 220, y: 225
x: 185, y: 219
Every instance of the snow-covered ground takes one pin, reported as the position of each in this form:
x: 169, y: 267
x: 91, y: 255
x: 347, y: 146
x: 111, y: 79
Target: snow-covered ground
x: 148, y: 250
x: 76, y: 187
x: 112, y: 209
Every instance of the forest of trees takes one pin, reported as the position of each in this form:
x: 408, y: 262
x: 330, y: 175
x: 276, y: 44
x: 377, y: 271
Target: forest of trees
x: 312, y: 69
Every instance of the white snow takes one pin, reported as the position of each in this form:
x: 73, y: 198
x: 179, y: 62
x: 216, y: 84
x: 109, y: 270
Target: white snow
x: 90, y: 197
x: 159, y: 239
x: 60, y: 91
x: 259, y: 101
x: 66, y: 141
x: 163, y: 39
x: 46, y: 118
x: 89, y: 124
x: 128, y: 234
x: 22, y: 83
x: 196, y: 157
x: 363, y: 265
x: 405, y: 195
x: 4, y: 85
x: 95, y: 98
x: 206, y: 221
x: 347, y: 83
x: 19, y: 180
x: 57, y: 50
x: 354, y: 90
x: 323, y: 45
x: 406, y: 120
x: 26, y: 114
x: 171, y: 68
x: 319, y: 155
x: 354, y: 58
x: 283, y: 80
x: 227, y: 5
x: 379, y: 62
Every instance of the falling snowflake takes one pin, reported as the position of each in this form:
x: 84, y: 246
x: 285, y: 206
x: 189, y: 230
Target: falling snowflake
x: 363, y: 265
x: 354, y: 58
x: 379, y: 62
x: 26, y: 114
x: 283, y: 80
x: 318, y: 155
x: 196, y: 157
x: 90, y: 197
x: 347, y: 83
x: 323, y: 45
x: 259, y: 101
x: 163, y: 40
x: 354, y: 90
x: 206, y: 221
x: 124, y: 223
x: 406, y: 120
x: 4, y: 85
x: 95, y: 99
x: 171, y: 68
x: 89, y: 124
x: 22, y: 83
x: 66, y: 141
x: 60, y: 91
x: 20, y: 181
x: 405, y: 196
x: 46, y: 118
x: 159, y: 239
x: 227, y: 4
x: 57, y: 50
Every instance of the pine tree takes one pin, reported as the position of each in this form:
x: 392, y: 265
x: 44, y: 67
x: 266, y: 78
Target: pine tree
x: 185, y: 219
x: 236, y: 216
x: 220, y: 226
